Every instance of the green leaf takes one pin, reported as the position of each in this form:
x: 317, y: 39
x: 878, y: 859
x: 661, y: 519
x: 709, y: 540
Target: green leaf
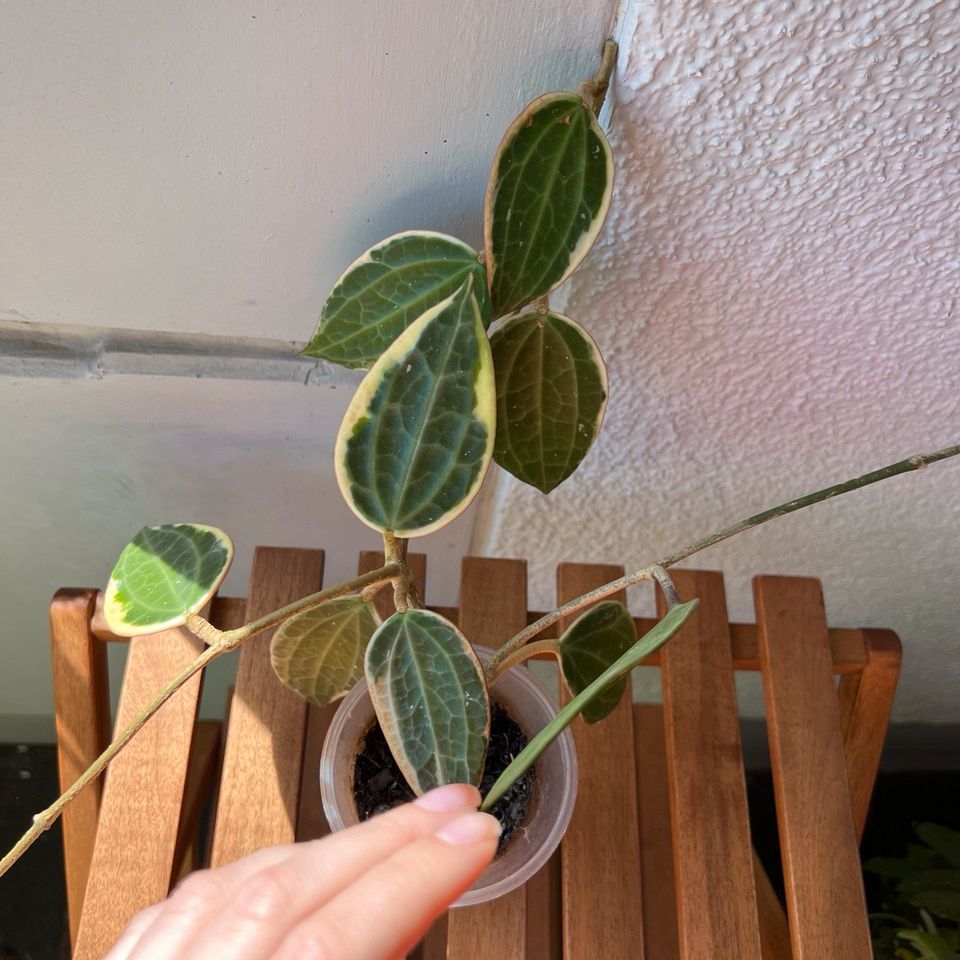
x: 551, y: 394
x: 589, y: 646
x: 649, y: 642
x: 943, y: 878
x: 547, y: 197
x: 888, y: 866
x: 428, y: 690
x: 941, y: 903
x: 164, y: 574
x: 319, y: 653
x: 945, y: 841
x: 932, y: 946
x: 384, y: 291
x: 417, y: 438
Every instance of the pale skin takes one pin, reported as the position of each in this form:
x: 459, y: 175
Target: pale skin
x: 367, y: 893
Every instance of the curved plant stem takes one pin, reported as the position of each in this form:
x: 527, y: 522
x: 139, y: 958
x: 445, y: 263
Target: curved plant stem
x: 918, y: 462
x: 223, y: 642
x: 525, y: 653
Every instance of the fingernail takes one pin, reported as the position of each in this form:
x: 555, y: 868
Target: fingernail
x: 470, y: 829
x: 454, y: 796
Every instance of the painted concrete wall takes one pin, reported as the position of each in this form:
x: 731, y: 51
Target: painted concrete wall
x: 211, y: 168
x: 776, y: 295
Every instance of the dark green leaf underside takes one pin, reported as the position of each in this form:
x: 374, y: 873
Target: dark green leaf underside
x: 165, y: 573
x: 429, y: 694
x: 417, y: 439
x: 384, y: 291
x: 319, y: 653
x: 589, y: 646
x: 551, y: 394
x: 548, y: 194
x: 650, y: 641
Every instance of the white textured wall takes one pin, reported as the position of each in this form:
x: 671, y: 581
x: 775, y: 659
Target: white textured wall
x: 776, y: 295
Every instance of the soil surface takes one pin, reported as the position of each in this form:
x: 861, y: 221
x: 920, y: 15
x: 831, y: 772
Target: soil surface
x: 378, y: 784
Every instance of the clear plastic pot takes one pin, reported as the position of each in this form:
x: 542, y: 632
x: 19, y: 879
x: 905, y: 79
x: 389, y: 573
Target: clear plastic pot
x: 554, y: 791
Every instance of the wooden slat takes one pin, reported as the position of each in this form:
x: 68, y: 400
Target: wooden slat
x: 493, y: 607
x: 774, y: 929
x: 263, y: 758
x: 825, y: 901
x: 600, y: 855
x: 201, y: 776
x: 660, y: 935
x: 544, y: 917
x: 708, y: 793
x: 140, y: 810
x: 866, y: 700
x: 846, y: 646
x: 82, y: 713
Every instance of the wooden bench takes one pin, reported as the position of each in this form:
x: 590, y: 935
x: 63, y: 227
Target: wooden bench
x: 658, y: 861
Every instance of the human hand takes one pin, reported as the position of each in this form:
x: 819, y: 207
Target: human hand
x: 366, y: 893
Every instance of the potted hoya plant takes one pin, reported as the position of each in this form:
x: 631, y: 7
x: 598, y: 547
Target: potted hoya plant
x: 465, y: 364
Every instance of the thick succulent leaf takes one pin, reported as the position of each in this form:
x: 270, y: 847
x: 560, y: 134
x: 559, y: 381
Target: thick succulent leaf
x: 649, y: 642
x: 319, y: 653
x: 547, y: 197
x: 164, y: 574
x: 551, y: 395
x: 428, y: 690
x: 384, y: 291
x: 417, y: 438
x: 589, y: 646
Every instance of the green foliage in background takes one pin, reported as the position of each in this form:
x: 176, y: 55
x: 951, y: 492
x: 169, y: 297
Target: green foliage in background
x: 919, y: 918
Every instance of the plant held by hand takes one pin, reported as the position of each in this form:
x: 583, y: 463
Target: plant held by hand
x: 466, y: 363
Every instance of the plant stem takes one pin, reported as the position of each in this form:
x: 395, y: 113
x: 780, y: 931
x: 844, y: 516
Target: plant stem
x: 525, y: 653
x: 405, y: 593
x: 600, y: 83
x: 224, y: 642
x: 918, y: 462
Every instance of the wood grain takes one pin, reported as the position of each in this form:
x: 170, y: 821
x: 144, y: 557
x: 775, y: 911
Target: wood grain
x: 708, y: 793
x: 866, y: 700
x: 600, y: 853
x: 660, y: 934
x: 133, y: 858
x: 201, y: 777
x: 493, y: 607
x: 81, y: 701
x: 263, y: 757
x: 825, y: 901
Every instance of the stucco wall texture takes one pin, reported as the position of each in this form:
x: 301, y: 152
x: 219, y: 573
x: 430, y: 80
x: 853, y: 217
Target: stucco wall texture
x: 776, y: 297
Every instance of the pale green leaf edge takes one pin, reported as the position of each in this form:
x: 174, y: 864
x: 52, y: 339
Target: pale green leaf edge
x: 367, y: 257
x: 378, y: 695
x: 589, y: 237
x: 650, y: 641
x: 283, y: 635
x: 484, y: 410
x: 113, y: 611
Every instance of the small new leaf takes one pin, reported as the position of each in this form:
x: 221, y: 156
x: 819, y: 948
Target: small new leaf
x: 551, y: 395
x: 547, y: 197
x: 427, y: 688
x: 649, y: 642
x: 319, y: 653
x: 384, y: 291
x: 589, y: 646
x: 164, y: 574
x: 417, y: 438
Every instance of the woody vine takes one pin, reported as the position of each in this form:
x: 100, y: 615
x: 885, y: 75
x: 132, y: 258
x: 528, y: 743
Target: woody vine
x: 466, y: 364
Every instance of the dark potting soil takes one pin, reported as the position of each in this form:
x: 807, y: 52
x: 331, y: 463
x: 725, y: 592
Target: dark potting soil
x: 378, y: 784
